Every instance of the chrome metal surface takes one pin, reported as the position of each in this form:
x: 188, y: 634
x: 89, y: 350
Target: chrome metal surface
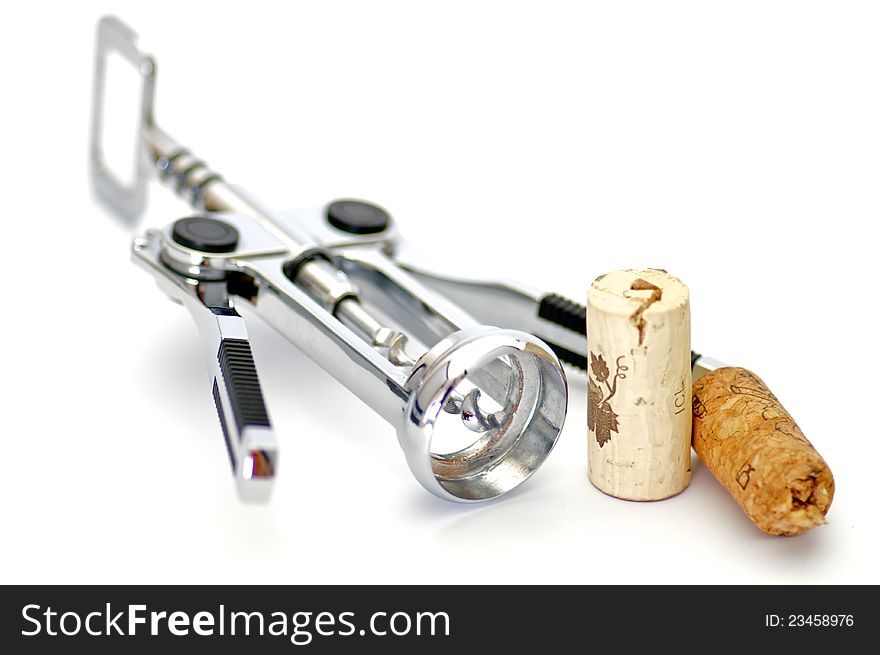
x: 526, y: 380
x: 704, y: 365
x: 495, y: 302
x: 126, y: 200
x: 254, y: 242
x: 325, y: 283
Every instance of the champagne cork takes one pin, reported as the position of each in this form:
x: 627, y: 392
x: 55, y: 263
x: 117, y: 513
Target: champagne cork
x: 639, y: 371
x: 754, y: 448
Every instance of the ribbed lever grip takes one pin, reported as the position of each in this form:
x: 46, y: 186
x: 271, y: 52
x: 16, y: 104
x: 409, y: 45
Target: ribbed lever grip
x: 242, y: 383
x: 247, y: 430
x: 570, y: 315
x: 563, y: 312
x: 244, y: 418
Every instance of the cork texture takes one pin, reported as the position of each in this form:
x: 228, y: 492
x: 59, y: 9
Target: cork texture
x: 753, y: 447
x: 639, y: 381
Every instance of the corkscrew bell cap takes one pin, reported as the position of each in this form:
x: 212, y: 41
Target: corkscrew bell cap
x: 507, y: 387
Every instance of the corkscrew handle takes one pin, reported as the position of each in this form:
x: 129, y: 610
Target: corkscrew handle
x: 561, y: 323
x: 126, y: 197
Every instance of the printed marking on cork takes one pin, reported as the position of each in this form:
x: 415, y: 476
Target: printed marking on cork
x: 601, y: 418
x: 639, y: 426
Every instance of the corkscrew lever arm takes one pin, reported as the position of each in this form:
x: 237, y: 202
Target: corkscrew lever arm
x: 558, y: 321
x: 238, y: 397
x: 250, y: 440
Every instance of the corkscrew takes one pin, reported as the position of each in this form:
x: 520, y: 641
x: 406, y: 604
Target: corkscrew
x: 413, y: 342
x: 477, y: 408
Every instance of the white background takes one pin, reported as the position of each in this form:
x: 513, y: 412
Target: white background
x: 737, y: 146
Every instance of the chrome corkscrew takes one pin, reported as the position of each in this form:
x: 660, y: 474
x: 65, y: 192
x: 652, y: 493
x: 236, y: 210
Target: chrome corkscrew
x: 416, y: 344
x: 334, y: 281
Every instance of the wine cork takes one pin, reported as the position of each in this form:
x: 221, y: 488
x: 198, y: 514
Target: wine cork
x: 755, y: 449
x: 639, y: 423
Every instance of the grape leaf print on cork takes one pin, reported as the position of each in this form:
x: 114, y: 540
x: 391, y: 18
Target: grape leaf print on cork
x: 601, y: 418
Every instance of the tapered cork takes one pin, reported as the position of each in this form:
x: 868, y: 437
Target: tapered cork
x: 753, y: 447
x: 639, y: 423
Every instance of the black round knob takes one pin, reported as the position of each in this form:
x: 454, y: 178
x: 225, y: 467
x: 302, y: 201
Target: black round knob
x: 357, y: 217
x: 205, y: 234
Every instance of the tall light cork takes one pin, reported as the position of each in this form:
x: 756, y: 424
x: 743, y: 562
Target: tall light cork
x: 639, y: 371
